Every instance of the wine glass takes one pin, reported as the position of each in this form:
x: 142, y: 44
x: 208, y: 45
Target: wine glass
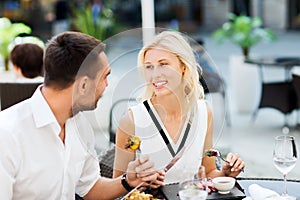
x: 195, y: 187
x: 285, y: 157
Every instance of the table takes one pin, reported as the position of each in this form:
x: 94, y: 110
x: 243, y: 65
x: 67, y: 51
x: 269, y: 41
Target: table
x: 293, y: 187
x: 278, y: 95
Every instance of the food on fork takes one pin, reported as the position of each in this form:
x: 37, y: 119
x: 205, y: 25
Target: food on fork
x: 212, y: 152
x: 133, y: 143
x: 216, y: 153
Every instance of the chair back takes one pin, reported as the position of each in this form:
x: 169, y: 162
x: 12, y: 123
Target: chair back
x: 13, y: 93
x: 296, y: 83
x: 117, y: 110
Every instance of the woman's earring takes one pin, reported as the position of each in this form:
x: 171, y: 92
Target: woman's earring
x: 187, y: 99
x: 187, y: 92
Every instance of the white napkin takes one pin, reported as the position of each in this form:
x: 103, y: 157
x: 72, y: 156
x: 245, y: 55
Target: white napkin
x: 259, y: 193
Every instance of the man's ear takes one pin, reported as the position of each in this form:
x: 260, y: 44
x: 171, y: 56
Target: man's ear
x: 83, y: 85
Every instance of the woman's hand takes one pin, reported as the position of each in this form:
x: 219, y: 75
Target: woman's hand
x: 234, y: 165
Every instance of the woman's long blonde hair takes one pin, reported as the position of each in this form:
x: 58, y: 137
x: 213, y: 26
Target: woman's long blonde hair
x: 176, y: 44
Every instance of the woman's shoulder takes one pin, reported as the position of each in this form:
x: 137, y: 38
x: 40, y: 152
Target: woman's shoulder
x: 204, y: 105
x: 126, y: 123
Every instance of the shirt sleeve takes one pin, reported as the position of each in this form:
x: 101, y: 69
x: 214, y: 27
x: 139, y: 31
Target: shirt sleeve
x: 91, y: 169
x: 90, y: 175
x: 9, y: 162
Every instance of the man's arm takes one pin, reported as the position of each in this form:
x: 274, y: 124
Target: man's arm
x: 138, y: 171
x: 8, y: 164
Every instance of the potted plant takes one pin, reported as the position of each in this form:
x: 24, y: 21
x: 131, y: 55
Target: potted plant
x: 244, y: 81
x: 243, y: 31
x: 8, y: 32
x: 101, y: 26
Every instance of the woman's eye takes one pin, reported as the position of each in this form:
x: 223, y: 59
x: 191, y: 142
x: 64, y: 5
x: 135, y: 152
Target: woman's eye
x: 163, y: 64
x: 148, y: 66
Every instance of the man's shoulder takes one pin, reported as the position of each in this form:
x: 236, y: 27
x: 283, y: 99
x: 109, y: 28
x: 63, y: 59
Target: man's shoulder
x: 14, y: 115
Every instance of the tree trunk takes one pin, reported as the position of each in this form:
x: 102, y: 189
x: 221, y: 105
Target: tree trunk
x: 6, y: 64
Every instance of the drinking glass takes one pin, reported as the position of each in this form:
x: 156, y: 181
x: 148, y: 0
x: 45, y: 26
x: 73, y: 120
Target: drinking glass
x: 195, y: 189
x: 194, y: 186
x: 285, y: 157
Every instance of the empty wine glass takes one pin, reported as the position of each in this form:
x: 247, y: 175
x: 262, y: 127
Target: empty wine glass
x: 285, y: 157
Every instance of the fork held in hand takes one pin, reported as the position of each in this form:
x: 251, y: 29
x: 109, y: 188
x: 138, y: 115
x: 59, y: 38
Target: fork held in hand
x: 227, y: 160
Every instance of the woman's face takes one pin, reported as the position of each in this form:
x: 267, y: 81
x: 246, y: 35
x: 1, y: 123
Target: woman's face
x: 163, y: 71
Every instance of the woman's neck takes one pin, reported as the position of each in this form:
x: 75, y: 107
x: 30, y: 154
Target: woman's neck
x: 171, y: 107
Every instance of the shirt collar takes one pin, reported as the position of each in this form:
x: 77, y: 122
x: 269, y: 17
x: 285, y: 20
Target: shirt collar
x: 42, y: 113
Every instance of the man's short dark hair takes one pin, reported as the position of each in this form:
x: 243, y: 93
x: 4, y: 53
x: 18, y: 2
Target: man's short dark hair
x: 29, y: 58
x: 69, y: 54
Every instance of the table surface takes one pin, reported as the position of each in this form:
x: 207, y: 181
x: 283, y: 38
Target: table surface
x: 275, y: 61
x: 293, y: 187
x: 276, y: 185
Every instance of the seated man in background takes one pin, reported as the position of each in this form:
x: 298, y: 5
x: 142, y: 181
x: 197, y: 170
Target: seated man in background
x: 27, y: 60
x: 46, y: 143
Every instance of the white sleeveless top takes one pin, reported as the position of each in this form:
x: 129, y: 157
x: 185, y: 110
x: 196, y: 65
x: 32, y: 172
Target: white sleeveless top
x: 153, y: 144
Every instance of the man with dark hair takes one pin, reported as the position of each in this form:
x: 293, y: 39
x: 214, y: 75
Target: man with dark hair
x: 46, y: 144
x: 27, y: 60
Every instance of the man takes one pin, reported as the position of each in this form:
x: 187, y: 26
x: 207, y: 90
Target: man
x: 46, y: 144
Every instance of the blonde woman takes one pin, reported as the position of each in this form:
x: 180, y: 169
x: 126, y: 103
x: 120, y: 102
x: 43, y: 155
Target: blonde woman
x: 172, y: 114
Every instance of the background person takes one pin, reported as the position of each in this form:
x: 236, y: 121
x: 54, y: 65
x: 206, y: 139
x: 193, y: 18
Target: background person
x: 172, y: 114
x: 27, y: 60
x: 46, y: 143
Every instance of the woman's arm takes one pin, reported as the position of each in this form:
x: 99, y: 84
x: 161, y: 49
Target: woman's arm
x: 122, y: 155
x: 209, y: 162
x: 235, y: 165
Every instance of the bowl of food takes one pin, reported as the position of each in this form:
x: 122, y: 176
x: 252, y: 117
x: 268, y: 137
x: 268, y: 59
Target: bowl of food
x: 223, y: 184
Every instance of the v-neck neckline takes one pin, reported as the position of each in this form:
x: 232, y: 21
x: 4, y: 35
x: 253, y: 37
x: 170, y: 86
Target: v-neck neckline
x: 184, y: 129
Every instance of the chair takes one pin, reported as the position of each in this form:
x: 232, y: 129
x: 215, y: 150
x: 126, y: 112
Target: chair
x: 117, y: 110
x: 12, y: 93
x: 278, y: 95
x: 107, y: 163
x: 296, y: 84
x: 210, y: 79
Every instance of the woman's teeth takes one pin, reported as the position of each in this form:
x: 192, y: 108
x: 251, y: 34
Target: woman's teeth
x: 160, y: 83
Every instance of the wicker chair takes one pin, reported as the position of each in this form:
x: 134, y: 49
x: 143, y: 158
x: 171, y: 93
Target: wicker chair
x: 107, y: 163
x: 296, y: 83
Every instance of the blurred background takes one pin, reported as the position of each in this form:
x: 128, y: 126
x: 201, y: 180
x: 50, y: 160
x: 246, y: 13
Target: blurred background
x: 189, y: 14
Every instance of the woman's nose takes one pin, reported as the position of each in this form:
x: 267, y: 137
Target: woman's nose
x: 156, y: 71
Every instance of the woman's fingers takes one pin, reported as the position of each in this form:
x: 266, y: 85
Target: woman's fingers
x: 235, y: 162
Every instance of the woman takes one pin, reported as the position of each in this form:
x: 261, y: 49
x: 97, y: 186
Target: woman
x: 172, y: 115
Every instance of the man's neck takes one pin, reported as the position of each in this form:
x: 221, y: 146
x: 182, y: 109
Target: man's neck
x: 60, y: 102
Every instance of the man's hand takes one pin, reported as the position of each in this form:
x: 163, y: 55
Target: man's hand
x: 160, y: 179
x: 141, y: 170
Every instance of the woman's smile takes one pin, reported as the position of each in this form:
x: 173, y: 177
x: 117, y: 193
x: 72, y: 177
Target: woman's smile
x: 159, y: 84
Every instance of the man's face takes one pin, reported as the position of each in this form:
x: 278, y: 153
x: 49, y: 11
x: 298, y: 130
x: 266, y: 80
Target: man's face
x: 90, y: 90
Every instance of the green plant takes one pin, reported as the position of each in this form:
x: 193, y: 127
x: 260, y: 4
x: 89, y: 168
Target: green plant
x: 8, y: 32
x: 243, y: 31
x: 101, y: 28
